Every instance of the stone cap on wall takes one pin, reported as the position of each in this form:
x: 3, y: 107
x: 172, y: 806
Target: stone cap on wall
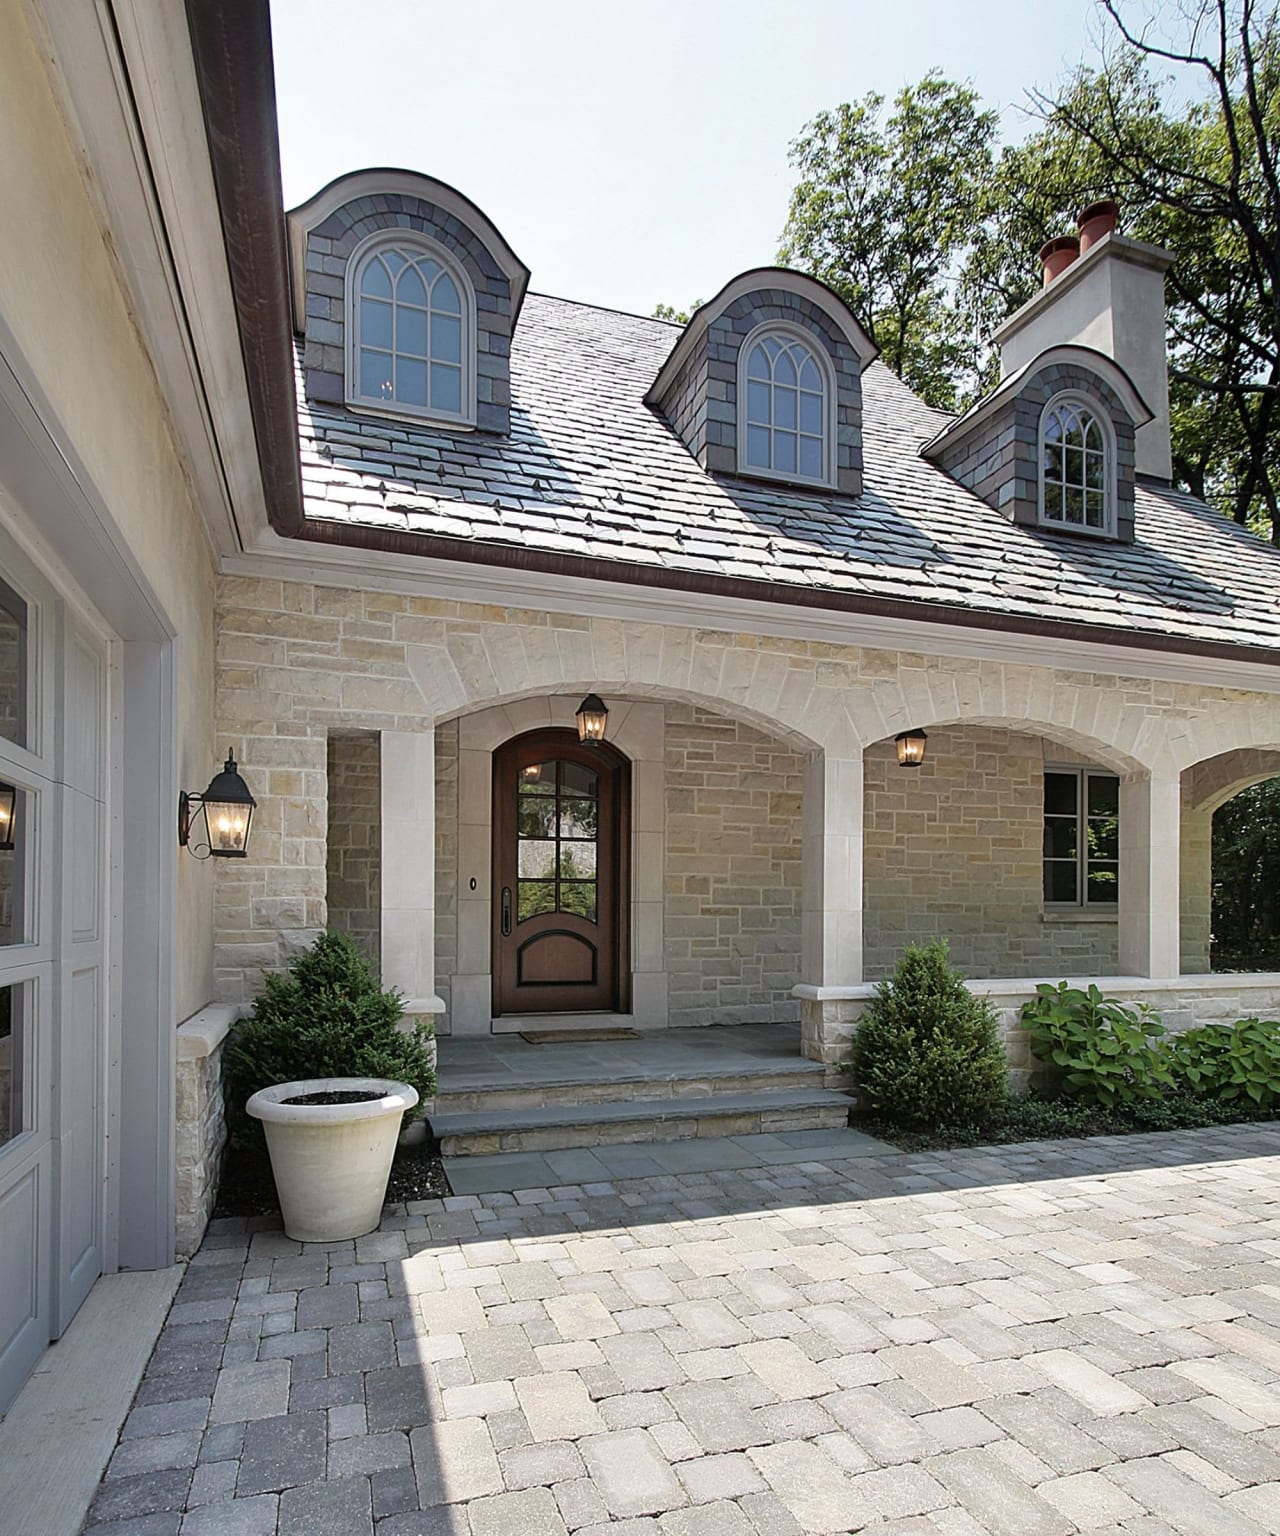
x: 205, y: 1030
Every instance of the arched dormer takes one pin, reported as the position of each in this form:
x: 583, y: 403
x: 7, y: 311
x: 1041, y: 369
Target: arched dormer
x: 771, y: 347
x: 1053, y: 445
x: 406, y: 296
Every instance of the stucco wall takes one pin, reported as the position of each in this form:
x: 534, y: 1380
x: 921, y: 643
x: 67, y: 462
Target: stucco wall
x: 953, y: 849
x: 62, y: 297
x: 733, y: 893
x: 353, y: 867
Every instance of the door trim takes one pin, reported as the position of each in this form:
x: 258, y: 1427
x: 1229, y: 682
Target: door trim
x: 555, y: 740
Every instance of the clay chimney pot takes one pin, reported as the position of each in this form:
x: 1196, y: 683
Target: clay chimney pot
x: 1096, y: 221
x: 1057, y: 255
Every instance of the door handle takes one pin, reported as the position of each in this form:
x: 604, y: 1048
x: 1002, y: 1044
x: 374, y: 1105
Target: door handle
x: 506, y: 911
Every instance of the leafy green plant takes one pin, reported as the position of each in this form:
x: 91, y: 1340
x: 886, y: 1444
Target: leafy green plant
x: 927, y: 1051
x: 326, y: 1018
x: 1231, y: 1062
x: 1108, y: 1052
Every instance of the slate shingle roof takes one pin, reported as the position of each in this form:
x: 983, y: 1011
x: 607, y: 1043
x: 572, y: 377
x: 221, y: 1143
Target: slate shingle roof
x: 590, y: 470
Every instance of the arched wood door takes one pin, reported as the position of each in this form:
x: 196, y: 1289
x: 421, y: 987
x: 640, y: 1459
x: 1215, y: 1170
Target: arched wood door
x: 560, y: 816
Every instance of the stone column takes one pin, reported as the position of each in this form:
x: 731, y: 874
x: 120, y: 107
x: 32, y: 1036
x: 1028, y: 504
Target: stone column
x: 409, y: 868
x: 831, y: 924
x: 1150, y: 818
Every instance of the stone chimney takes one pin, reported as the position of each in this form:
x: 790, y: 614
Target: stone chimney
x: 1110, y: 298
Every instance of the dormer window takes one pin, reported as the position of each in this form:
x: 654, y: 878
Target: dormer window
x: 785, y: 429
x: 410, y: 330
x: 1077, y: 489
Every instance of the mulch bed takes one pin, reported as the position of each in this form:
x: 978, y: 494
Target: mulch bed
x: 247, y: 1188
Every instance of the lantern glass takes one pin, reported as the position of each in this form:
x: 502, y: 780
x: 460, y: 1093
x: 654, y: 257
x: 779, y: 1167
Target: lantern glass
x: 593, y: 718
x: 8, y: 815
x: 910, y: 745
x: 228, y: 809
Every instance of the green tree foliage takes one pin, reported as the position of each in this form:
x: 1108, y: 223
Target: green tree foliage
x: 884, y: 207
x: 676, y: 316
x: 1246, y: 879
x: 927, y: 1052
x: 326, y: 1018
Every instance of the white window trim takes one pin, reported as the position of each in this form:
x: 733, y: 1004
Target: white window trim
x: 1081, y: 772
x: 829, y: 445
x: 412, y: 240
x: 1103, y: 418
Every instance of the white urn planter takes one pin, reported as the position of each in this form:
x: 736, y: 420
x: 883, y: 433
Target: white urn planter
x: 331, y: 1159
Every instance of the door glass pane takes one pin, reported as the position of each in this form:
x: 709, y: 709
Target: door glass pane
x: 578, y: 818
x: 575, y: 779
x: 11, y: 1041
x: 538, y: 779
x: 558, y: 827
x: 577, y: 861
x: 536, y: 897
x: 13, y: 666
x: 536, y: 816
x: 13, y: 865
x: 579, y: 898
x: 537, y: 860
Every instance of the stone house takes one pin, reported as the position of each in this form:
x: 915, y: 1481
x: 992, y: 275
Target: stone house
x: 336, y: 491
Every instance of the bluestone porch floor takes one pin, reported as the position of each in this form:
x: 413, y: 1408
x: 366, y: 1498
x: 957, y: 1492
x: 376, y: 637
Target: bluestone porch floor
x: 1036, y: 1340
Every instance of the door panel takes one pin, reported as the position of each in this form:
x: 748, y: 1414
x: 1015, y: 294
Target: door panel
x: 24, y: 1271
x: 560, y: 810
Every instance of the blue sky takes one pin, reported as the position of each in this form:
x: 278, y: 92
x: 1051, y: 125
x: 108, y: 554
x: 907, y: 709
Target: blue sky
x: 630, y: 153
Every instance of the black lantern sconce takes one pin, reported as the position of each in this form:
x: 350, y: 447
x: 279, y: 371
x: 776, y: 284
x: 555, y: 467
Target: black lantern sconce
x: 227, y: 807
x: 910, y: 745
x: 8, y: 816
x: 593, y: 717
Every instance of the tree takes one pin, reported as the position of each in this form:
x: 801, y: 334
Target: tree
x: 677, y: 316
x: 1246, y: 879
x: 881, y: 211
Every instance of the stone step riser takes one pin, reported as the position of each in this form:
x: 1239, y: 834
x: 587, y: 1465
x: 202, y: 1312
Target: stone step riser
x: 558, y: 1138
x: 536, y: 1096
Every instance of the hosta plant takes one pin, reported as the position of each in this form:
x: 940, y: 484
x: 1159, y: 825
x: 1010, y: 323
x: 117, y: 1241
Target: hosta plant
x: 1107, y: 1052
x: 1231, y: 1062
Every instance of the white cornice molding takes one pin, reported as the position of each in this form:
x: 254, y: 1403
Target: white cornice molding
x: 365, y: 183
x: 133, y: 109
x: 418, y: 576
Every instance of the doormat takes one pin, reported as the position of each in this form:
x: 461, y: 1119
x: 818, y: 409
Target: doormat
x: 582, y: 1036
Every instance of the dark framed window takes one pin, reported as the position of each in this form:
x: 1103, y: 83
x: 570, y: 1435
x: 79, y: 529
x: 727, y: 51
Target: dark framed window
x: 1081, y: 838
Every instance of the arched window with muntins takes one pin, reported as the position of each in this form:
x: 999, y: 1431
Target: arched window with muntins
x: 410, y: 332
x: 1076, y: 477
x: 784, y: 397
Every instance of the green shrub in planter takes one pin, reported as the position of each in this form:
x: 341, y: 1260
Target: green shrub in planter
x: 1230, y: 1062
x: 326, y: 1018
x: 927, y: 1052
x: 1108, y: 1053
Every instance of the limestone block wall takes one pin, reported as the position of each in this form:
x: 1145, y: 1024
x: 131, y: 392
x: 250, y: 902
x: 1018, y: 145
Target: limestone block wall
x: 447, y: 842
x: 954, y: 849
x: 1196, y: 885
x: 354, y: 841
x: 733, y: 891
x: 201, y: 1129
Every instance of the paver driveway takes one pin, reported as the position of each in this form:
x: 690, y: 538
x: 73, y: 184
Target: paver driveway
x: 1072, y: 1336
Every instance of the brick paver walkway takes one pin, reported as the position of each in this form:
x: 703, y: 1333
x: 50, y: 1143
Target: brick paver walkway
x: 1030, y: 1341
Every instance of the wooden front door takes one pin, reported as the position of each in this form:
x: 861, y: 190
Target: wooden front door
x: 559, y: 908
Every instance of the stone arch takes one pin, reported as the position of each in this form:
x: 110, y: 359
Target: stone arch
x: 1105, y: 753
x: 1215, y: 780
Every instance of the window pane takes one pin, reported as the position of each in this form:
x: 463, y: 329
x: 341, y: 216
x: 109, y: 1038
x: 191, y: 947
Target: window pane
x: 758, y: 447
x: 810, y: 378
x: 1104, y: 795
x: 1060, y: 881
x: 811, y: 458
x: 446, y: 338
x: 577, y: 779
x: 811, y: 414
x: 537, y: 860
x: 535, y: 897
x: 1060, y: 794
x: 12, y: 870
x: 445, y: 295
x: 411, y: 289
x: 1104, y: 883
x: 758, y: 363
x: 784, y: 408
x: 1103, y: 839
x: 578, y: 818
x: 11, y: 1044
x: 375, y: 375
x: 446, y: 387
x: 579, y: 897
x: 535, y: 816
x: 757, y: 401
x: 784, y: 452
x: 376, y: 280
x: 430, y: 270
x: 13, y: 666
x: 375, y: 323
x: 784, y: 370
x: 394, y: 260
x: 1095, y: 509
x: 538, y: 779
x: 411, y: 331
x: 1060, y: 837
x: 411, y: 381
x: 577, y: 861
x: 1073, y: 506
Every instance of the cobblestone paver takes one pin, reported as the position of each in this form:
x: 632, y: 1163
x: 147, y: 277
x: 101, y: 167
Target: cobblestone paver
x: 1025, y: 1341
